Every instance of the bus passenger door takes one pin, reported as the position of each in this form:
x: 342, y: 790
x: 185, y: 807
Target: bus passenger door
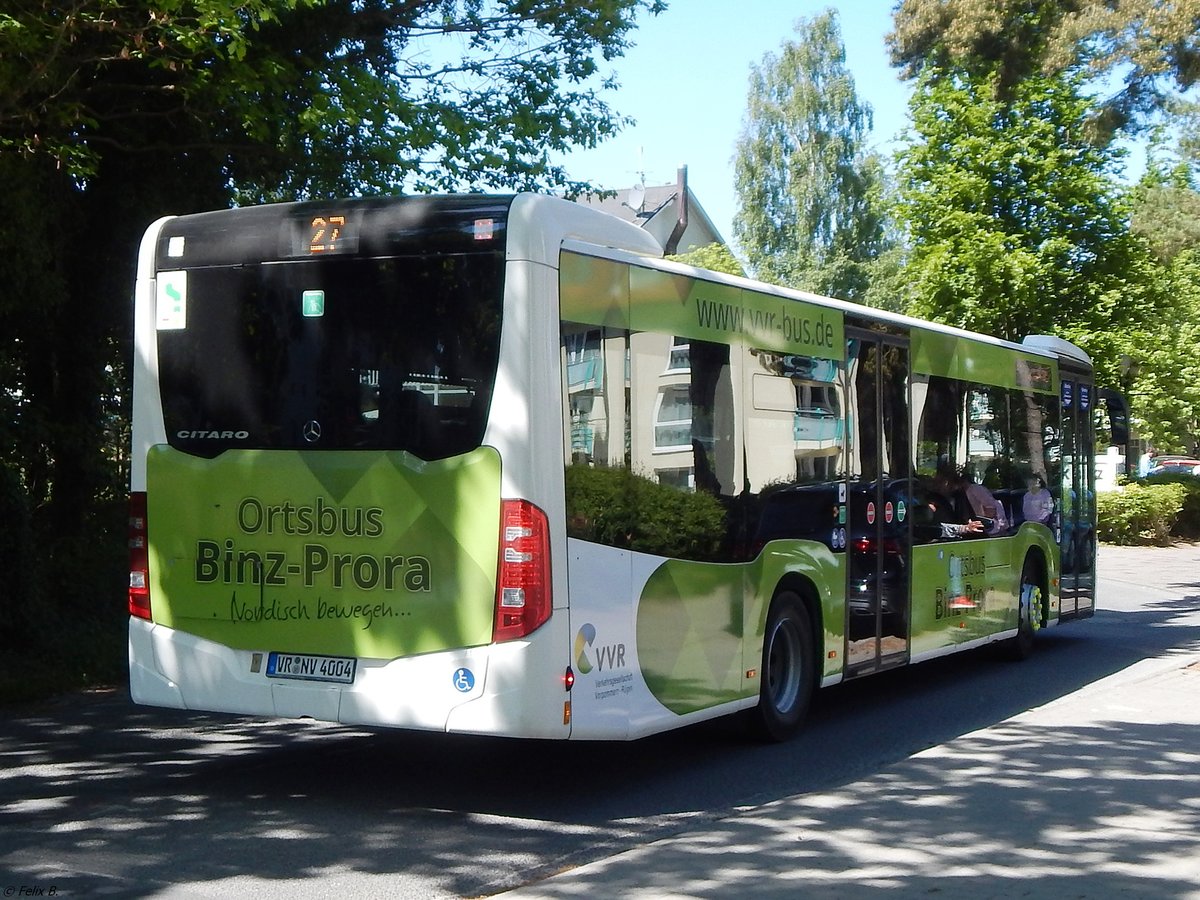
x: 877, y: 470
x: 1077, y: 522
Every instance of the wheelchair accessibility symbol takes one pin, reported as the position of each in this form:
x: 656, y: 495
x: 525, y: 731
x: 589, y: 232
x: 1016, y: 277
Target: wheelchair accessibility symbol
x: 464, y: 680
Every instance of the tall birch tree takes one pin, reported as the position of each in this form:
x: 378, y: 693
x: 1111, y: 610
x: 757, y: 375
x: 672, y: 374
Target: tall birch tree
x: 805, y: 179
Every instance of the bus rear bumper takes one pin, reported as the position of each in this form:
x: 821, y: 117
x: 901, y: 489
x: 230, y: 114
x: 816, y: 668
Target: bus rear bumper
x: 148, y: 685
x: 478, y: 690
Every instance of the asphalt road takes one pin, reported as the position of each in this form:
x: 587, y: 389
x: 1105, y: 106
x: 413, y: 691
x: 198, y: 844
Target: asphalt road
x: 102, y: 798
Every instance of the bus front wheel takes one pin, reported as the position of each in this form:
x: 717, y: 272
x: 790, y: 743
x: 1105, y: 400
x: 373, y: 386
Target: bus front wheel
x: 786, y: 675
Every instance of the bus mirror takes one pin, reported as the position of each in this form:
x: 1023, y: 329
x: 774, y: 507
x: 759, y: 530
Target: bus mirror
x: 1113, y: 402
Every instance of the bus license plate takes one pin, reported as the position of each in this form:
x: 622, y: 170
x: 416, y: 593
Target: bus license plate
x: 305, y: 667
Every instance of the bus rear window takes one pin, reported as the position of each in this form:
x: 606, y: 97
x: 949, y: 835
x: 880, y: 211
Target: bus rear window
x: 333, y: 354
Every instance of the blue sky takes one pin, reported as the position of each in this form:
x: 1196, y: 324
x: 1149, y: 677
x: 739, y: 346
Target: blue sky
x: 686, y: 80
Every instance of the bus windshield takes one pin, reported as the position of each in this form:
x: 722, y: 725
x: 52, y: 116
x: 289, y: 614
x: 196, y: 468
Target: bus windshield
x: 395, y: 353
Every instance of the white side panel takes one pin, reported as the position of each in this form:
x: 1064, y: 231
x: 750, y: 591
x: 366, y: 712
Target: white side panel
x: 526, y: 420
x: 604, y: 641
x: 525, y: 693
x: 148, y: 427
x: 611, y: 699
x: 526, y: 426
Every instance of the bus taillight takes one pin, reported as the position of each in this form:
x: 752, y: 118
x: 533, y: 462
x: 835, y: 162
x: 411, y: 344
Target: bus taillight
x: 139, y: 558
x: 523, y: 588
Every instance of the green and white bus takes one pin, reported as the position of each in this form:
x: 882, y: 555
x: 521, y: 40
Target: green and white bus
x: 493, y: 465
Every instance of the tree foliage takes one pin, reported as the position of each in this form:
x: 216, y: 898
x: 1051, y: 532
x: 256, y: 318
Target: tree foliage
x: 1166, y: 209
x: 1015, y: 223
x: 1165, y: 391
x: 1152, y: 46
x: 116, y: 112
x: 367, y: 93
x: 714, y: 257
x: 804, y: 179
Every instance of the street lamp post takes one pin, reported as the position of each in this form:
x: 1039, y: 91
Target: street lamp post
x: 1129, y: 371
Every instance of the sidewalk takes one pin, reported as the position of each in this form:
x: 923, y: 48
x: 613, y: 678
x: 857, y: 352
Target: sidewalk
x: 1175, y: 565
x: 1094, y: 795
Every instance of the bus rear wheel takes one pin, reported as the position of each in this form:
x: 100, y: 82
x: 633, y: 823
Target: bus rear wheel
x: 787, y: 673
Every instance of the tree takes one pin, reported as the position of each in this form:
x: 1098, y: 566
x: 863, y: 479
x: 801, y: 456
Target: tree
x: 1016, y: 226
x: 365, y: 93
x: 1165, y: 394
x: 1166, y: 209
x: 803, y: 177
x: 115, y: 112
x: 1153, y: 46
x: 714, y: 257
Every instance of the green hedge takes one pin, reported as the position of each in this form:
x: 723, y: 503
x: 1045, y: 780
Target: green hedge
x: 622, y: 509
x: 1140, y: 513
x: 1187, y: 523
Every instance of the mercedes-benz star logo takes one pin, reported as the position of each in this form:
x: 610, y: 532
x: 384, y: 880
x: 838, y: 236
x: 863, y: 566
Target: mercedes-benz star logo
x: 312, y: 431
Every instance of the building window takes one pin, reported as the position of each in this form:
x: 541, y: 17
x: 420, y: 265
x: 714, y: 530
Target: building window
x: 673, y: 419
x: 680, y: 355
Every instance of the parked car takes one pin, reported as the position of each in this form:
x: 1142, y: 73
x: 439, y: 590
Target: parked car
x: 1175, y: 466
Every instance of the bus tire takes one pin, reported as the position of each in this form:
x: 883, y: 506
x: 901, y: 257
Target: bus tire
x: 1029, y: 612
x: 787, y: 673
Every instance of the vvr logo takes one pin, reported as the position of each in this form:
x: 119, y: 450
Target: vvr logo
x: 608, y: 656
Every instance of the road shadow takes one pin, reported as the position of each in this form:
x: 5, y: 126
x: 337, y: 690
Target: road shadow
x: 110, y: 798
x: 1017, y: 811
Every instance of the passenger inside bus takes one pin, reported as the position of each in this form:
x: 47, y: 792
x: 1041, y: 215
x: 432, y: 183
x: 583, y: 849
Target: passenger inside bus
x: 1038, y: 504
x: 983, y: 506
x: 938, y: 516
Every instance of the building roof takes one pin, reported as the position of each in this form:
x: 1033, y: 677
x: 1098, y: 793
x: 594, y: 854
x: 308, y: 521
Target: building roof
x: 655, y: 208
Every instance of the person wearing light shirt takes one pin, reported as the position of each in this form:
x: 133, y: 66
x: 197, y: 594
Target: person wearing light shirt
x: 1037, y: 504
